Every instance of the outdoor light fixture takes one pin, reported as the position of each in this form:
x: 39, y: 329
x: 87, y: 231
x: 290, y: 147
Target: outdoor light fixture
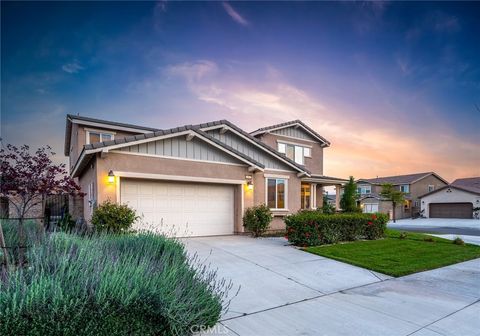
x: 111, y: 177
x: 250, y: 185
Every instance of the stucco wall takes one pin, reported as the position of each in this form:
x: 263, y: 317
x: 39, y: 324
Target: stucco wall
x: 99, y: 167
x: 313, y: 163
x: 449, y: 195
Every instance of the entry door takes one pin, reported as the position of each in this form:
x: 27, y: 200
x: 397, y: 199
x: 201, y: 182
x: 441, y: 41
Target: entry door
x: 181, y: 209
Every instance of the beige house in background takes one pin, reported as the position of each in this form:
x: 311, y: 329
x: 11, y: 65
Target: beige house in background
x: 460, y: 199
x: 413, y: 185
x: 197, y: 180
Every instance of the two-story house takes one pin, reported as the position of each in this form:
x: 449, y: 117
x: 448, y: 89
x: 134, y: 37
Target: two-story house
x: 412, y: 185
x: 197, y: 180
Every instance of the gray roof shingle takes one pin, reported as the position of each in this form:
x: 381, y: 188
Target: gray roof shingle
x: 397, y: 179
x: 470, y: 183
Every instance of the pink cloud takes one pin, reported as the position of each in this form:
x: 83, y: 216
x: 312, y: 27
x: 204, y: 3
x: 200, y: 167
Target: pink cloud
x: 234, y: 14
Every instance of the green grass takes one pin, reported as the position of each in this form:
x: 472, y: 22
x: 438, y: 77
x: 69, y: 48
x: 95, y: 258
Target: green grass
x: 398, y: 257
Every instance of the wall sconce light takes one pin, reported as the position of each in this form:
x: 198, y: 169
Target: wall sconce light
x: 111, y: 177
x: 250, y: 185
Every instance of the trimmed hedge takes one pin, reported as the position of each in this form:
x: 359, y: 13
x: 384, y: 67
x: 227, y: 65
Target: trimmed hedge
x: 311, y: 228
x: 110, y: 285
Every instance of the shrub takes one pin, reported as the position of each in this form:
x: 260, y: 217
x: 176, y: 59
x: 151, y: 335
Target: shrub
x: 113, y: 218
x: 309, y: 228
x: 403, y: 235
x: 257, y: 219
x: 458, y: 241
x: 109, y: 285
x: 66, y: 223
x: 327, y: 208
x: 428, y: 239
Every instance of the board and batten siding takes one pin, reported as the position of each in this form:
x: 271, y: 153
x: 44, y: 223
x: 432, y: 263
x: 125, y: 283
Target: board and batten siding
x: 179, y: 147
x: 245, y: 147
x: 294, y: 133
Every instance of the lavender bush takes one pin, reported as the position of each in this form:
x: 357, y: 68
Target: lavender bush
x: 141, y: 284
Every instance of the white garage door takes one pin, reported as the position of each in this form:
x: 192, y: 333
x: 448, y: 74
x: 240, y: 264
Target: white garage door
x: 370, y: 207
x: 180, y: 209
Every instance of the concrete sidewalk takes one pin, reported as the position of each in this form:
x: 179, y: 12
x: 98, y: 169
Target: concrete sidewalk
x: 285, y: 291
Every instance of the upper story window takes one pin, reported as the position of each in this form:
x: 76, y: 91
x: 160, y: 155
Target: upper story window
x: 364, y: 189
x: 405, y: 188
x: 99, y: 136
x: 296, y: 153
x: 431, y: 187
x: 276, y: 193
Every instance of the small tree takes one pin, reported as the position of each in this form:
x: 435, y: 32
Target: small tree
x: 27, y: 179
x: 389, y: 193
x: 348, y: 202
x: 257, y: 219
x: 327, y: 208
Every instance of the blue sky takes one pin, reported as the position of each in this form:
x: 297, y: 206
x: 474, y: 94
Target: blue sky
x: 393, y: 85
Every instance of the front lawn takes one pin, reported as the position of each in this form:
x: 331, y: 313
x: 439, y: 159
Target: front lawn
x: 398, y: 257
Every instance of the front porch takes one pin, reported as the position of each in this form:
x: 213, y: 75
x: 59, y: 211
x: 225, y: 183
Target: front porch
x: 312, y: 190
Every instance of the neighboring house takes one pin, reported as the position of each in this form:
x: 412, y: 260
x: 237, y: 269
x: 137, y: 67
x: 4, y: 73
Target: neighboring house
x: 197, y: 179
x: 413, y: 185
x: 457, y: 200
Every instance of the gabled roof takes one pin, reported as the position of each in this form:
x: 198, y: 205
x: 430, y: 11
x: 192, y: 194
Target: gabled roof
x: 451, y: 186
x: 400, y: 179
x: 257, y: 142
x: 99, y: 122
x: 297, y: 122
x: 91, y: 149
x: 470, y: 183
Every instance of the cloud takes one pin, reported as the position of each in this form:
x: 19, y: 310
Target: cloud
x: 73, y: 67
x: 442, y: 22
x: 193, y: 71
x: 235, y: 15
x: 362, y: 145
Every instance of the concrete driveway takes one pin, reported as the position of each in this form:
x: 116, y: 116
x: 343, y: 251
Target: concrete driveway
x: 284, y: 291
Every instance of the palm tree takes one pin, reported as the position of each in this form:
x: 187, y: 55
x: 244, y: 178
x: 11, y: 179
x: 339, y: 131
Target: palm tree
x: 389, y: 193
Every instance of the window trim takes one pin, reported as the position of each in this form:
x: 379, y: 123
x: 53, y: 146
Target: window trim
x: 276, y: 178
x: 364, y: 186
x: 91, y: 130
x: 294, y: 145
x: 408, y: 188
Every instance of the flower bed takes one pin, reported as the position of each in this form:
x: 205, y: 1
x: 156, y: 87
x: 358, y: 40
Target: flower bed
x: 311, y: 228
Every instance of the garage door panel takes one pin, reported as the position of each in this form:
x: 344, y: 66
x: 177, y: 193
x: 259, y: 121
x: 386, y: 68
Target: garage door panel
x: 180, y: 209
x: 451, y: 210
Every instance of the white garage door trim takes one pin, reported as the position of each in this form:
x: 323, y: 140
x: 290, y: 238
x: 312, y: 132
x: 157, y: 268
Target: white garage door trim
x: 180, y: 209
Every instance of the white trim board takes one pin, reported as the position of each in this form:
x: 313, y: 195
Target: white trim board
x: 180, y: 178
x: 109, y: 126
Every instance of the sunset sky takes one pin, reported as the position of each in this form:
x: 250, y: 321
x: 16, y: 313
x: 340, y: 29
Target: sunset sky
x: 392, y: 85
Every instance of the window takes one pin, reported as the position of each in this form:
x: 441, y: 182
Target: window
x: 98, y: 136
x: 91, y: 196
x: 276, y: 193
x: 431, y: 188
x: 294, y: 152
x: 305, y: 194
x: 370, y: 207
x: 364, y: 189
x: 416, y: 204
x: 405, y: 188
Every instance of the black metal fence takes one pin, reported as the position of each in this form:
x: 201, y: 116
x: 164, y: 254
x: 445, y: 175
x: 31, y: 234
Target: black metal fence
x: 20, y: 234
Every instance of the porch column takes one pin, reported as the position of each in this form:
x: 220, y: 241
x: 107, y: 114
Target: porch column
x: 313, y: 196
x: 338, y: 188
